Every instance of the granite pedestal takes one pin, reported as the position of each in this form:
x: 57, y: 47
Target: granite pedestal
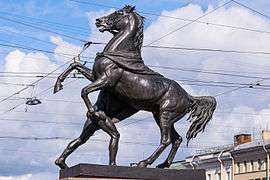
x: 104, y: 172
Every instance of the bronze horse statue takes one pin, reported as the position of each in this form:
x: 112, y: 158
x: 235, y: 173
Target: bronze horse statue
x: 127, y: 86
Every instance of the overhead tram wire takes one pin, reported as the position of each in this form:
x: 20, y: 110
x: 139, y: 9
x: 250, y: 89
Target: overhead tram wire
x: 81, y: 115
x: 163, y: 67
x: 64, y: 54
x: 29, y: 37
x: 155, y: 47
x: 47, y: 30
x: 46, y: 21
x: 37, y: 75
x: 182, y: 81
x: 52, y: 153
x: 209, y: 23
x: 187, y: 24
x: 208, y: 50
x: 42, y: 29
x: 69, y: 123
x: 225, y: 3
x: 69, y: 138
x: 206, y: 72
x: 39, y: 50
x: 145, y: 46
x: 212, y: 71
x: 92, y: 139
x: 39, y: 94
x: 249, y: 8
x: 38, y: 80
x: 50, y: 26
x: 171, y: 47
x: 154, y: 66
x: 238, y: 88
x: 178, y: 18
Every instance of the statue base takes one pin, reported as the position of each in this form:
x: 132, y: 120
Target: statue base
x: 105, y: 172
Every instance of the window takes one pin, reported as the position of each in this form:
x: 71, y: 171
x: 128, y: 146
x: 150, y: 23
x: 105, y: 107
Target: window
x: 209, y: 177
x: 259, y: 165
x: 251, y: 165
x: 228, y: 175
x: 245, y: 167
x: 264, y: 164
x: 238, y: 167
x: 218, y: 176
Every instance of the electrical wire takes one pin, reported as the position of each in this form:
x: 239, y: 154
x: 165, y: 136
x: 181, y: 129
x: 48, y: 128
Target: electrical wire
x: 178, y: 18
x: 187, y: 24
x: 238, y: 88
x: 247, y: 7
x: 42, y: 29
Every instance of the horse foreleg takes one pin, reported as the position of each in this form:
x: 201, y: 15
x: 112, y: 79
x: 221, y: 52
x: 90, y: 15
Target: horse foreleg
x: 78, y: 66
x: 58, y: 84
x: 86, y: 72
x: 99, y: 84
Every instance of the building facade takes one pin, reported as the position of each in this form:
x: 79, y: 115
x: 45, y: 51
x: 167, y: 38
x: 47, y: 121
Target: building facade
x: 243, y: 160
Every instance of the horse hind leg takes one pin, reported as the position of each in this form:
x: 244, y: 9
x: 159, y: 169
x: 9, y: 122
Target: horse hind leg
x: 176, y: 141
x: 89, y: 129
x: 165, y: 129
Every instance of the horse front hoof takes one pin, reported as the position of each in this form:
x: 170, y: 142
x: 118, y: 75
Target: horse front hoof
x: 112, y: 164
x: 163, y: 165
x: 142, y: 164
x: 57, y: 87
x: 61, y: 163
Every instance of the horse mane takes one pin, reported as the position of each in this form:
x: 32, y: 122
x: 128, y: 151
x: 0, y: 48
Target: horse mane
x: 139, y: 35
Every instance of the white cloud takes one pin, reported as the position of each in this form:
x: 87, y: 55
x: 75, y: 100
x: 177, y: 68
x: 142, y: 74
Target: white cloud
x: 17, y: 61
x: 64, y: 50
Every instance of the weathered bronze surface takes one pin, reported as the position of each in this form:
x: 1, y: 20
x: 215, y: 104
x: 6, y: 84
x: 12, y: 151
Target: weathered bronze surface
x: 127, y: 86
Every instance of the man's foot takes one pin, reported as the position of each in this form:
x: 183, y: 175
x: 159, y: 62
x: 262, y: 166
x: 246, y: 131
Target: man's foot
x: 60, y: 162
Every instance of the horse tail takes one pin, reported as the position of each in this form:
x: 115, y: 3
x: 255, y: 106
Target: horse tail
x: 201, y: 113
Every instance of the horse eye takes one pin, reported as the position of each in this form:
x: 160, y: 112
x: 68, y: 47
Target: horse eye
x: 120, y: 12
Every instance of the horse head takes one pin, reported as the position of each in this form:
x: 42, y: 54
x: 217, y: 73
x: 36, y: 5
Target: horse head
x: 127, y: 27
x: 115, y: 21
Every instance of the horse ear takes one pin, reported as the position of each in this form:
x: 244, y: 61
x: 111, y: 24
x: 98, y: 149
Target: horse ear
x: 132, y: 8
x: 129, y: 8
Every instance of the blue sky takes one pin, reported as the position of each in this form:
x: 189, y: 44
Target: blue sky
x: 245, y: 110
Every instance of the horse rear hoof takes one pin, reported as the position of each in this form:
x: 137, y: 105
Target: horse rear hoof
x: 61, y: 164
x: 142, y: 164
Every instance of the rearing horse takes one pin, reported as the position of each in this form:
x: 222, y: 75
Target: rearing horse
x: 127, y: 86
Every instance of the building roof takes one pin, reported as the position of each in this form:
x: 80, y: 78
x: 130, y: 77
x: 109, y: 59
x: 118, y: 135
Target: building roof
x: 251, y: 146
x: 213, y: 150
x: 212, y: 153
